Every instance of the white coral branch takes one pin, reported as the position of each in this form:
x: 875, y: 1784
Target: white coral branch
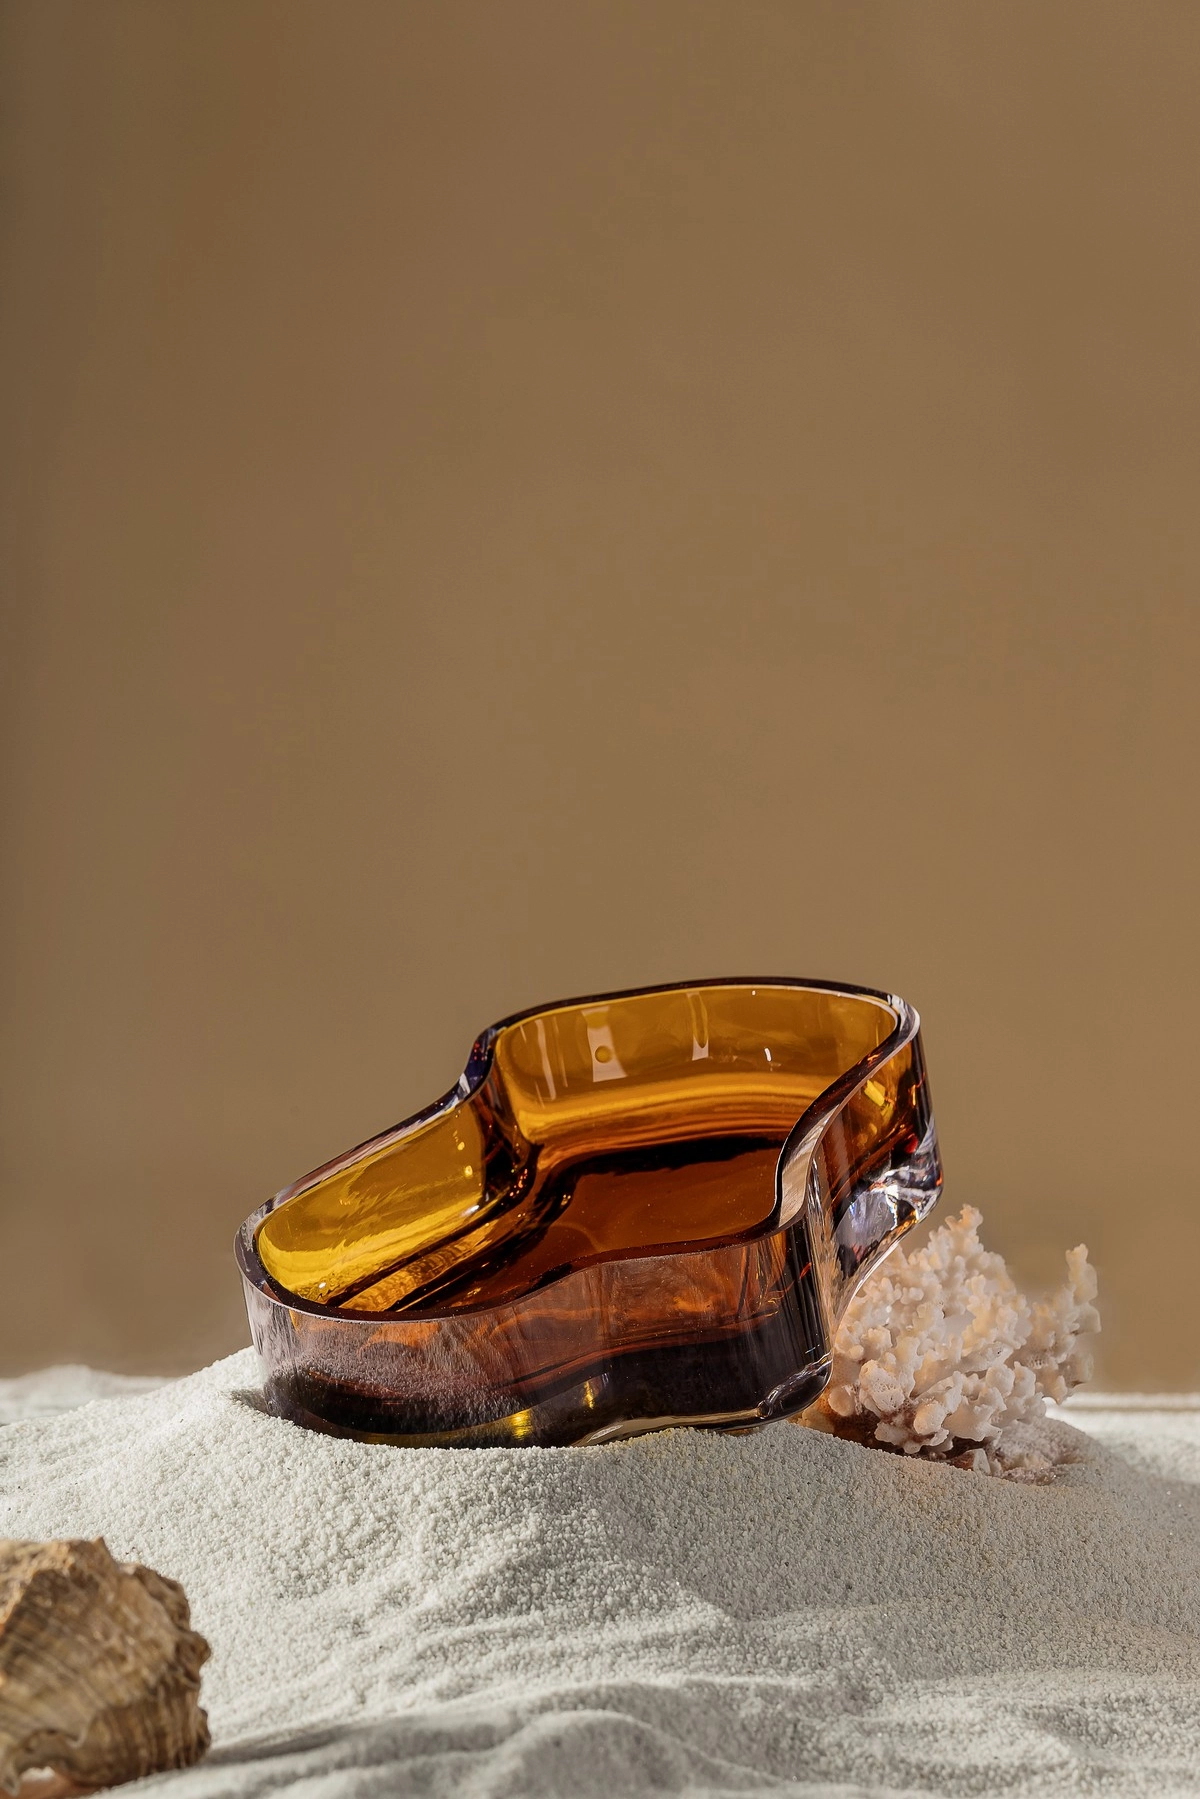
x: 939, y: 1355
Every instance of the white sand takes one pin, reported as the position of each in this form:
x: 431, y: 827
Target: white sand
x: 682, y: 1613
x: 60, y: 1389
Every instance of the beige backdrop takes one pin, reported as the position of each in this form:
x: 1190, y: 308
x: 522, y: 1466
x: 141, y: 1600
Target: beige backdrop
x: 509, y: 500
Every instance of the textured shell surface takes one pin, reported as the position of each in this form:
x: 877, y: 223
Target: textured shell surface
x: 99, y: 1667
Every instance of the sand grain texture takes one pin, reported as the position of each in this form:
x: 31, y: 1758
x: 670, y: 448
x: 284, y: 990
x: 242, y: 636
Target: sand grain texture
x: 685, y: 1613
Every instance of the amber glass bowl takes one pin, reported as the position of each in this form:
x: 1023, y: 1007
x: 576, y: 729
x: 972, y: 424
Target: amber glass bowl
x: 637, y: 1210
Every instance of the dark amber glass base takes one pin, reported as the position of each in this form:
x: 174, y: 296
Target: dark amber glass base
x: 635, y: 1210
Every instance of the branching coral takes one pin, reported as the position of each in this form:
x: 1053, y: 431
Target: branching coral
x: 939, y: 1355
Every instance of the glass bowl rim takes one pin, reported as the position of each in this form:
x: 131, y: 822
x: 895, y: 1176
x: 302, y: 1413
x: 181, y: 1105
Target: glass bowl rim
x: 800, y: 1142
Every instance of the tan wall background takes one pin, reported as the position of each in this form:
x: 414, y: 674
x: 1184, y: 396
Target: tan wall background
x: 516, y: 500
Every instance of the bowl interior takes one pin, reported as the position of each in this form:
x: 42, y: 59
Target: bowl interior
x: 612, y: 1127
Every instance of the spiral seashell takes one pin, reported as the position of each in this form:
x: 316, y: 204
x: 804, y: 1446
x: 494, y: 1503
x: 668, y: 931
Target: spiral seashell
x: 99, y: 1668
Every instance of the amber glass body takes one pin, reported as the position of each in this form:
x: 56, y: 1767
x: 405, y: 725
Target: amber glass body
x: 634, y: 1210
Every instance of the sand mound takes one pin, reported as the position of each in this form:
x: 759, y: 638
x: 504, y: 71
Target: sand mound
x: 682, y: 1612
